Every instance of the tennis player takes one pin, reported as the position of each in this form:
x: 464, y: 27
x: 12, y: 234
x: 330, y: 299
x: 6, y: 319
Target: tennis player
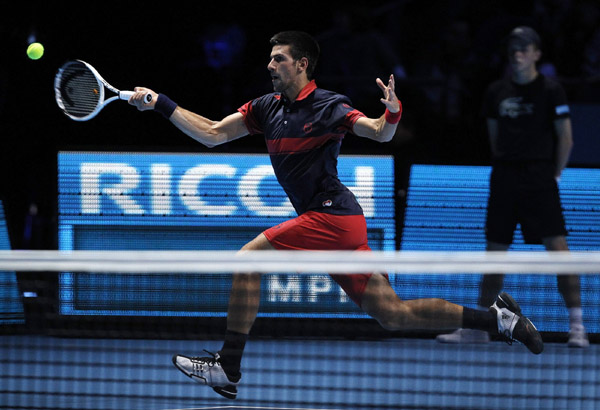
x: 303, y: 127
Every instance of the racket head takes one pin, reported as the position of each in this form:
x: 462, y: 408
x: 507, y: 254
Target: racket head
x: 79, y: 90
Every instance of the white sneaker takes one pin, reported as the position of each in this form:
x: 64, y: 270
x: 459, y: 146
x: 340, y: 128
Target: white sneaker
x: 208, y: 370
x: 578, y: 337
x: 465, y: 336
x: 513, y: 325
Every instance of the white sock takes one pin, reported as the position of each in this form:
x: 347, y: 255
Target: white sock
x: 575, y: 316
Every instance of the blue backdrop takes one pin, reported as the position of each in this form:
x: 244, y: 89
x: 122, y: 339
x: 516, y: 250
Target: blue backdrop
x: 221, y: 201
x: 445, y: 210
x: 128, y: 201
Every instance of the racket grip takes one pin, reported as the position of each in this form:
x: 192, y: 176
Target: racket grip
x: 126, y: 95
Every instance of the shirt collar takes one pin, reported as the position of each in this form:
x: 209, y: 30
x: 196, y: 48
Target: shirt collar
x: 307, y: 90
x: 304, y: 92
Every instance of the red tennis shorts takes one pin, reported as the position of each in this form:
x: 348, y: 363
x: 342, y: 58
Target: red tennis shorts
x: 319, y: 231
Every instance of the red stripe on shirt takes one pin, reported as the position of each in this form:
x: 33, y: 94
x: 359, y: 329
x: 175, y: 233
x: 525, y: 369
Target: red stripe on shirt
x: 351, y: 119
x: 296, y: 145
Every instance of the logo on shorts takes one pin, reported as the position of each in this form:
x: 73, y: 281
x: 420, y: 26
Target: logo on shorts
x: 327, y: 203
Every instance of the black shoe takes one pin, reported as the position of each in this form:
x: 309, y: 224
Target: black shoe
x: 208, y: 370
x: 513, y: 325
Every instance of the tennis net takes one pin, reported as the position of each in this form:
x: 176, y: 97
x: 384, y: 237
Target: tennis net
x: 101, y: 328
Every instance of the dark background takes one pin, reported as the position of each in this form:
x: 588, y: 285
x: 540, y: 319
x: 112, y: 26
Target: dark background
x: 212, y: 57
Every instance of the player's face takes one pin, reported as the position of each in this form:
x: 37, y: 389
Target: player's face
x: 523, y: 57
x: 283, y: 68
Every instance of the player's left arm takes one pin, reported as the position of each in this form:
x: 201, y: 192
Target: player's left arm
x: 562, y: 127
x: 382, y: 129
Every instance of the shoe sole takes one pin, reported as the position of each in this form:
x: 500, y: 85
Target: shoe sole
x: 537, y: 346
x: 225, y: 393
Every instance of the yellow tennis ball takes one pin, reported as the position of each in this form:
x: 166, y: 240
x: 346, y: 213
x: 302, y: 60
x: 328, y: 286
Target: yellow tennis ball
x: 35, y: 51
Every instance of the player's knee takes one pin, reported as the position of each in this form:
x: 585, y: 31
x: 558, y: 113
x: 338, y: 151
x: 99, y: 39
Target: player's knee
x: 392, y: 316
x: 386, y: 322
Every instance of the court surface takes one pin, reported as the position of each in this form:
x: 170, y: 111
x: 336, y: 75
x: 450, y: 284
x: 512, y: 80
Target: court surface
x: 41, y: 372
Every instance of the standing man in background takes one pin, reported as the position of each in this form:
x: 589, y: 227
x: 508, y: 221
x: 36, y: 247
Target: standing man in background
x: 530, y: 135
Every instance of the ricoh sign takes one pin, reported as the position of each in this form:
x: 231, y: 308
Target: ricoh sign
x: 180, y: 201
x: 206, y: 189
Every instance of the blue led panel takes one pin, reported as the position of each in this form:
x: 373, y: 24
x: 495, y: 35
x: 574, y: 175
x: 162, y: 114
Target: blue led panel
x: 446, y: 210
x: 158, y: 201
x: 11, y: 305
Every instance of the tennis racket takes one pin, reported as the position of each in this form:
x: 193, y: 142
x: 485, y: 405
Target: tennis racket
x: 81, y: 92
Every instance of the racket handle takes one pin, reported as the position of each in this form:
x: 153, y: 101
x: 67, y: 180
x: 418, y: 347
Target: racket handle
x: 126, y: 95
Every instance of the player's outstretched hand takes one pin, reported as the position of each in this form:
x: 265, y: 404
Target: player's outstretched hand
x: 138, y: 98
x: 390, y: 100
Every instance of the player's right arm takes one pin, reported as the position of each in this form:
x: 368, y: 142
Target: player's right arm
x: 207, y: 132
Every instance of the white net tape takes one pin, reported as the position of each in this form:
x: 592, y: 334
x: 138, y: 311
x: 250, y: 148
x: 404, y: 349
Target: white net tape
x: 301, y: 262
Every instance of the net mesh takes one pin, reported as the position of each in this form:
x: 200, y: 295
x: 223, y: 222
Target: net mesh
x: 104, y: 355
x: 102, y: 327
x: 77, y: 90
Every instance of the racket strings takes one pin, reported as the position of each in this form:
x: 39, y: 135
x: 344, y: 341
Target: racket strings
x: 78, y: 90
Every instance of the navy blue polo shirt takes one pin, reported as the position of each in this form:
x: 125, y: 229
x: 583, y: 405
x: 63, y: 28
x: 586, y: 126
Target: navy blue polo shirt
x: 525, y: 115
x: 304, y: 139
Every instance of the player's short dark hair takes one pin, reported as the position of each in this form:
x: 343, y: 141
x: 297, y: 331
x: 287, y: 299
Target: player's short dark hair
x: 301, y: 45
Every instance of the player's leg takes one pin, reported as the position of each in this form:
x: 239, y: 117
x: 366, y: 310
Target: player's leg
x: 244, y: 298
x: 569, y: 287
x: 381, y: 303
x: 244, y: 301
x: 504, y: 316
x: 221, y: 370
